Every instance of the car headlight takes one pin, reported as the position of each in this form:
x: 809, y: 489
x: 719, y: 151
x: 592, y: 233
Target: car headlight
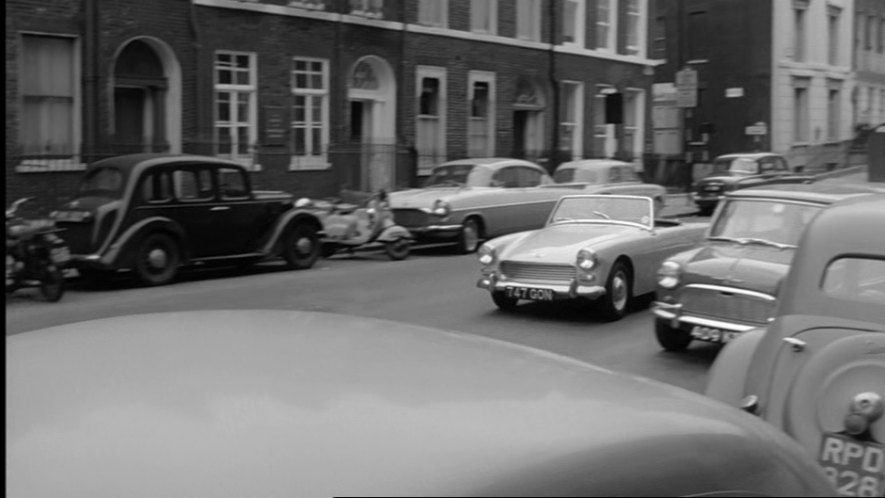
x: 486, y: 254
x: 441, y: 208
x: 586, y: 259
x: 669, y: 274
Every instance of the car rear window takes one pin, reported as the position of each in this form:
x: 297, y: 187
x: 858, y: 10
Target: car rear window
x: 856, y: 279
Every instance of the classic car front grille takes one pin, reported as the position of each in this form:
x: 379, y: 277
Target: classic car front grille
x: 411, y: 217
x: 78, y: 236
x: 731, y: 306
x: 516, y: 270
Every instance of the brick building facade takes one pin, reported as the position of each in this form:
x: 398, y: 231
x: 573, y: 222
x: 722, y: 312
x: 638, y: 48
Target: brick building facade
x: 314, y: 95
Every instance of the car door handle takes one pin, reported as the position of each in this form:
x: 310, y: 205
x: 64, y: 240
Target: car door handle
x: 219, y: 208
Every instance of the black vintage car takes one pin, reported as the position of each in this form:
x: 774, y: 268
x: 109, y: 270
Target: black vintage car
x: 154, y: 213
x: 741, y: 170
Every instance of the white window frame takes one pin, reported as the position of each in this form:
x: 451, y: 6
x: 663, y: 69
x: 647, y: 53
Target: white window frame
x: 834, y: 56
x: 310, y: 160
x: 611, y: 24
x: 579, y: 23
x: 425, y: 161
x: 637, y: 96
x: 604, y: 131
x: 491, y: 8
x: 800, y: 117
x: 430, y: 10
x: 641, y: 16
x: 528, y: 20
x: 572, y: 94
x: 489, y: 78
x: 72, y: 163
x: 234, y: 89
x: 367, y: 8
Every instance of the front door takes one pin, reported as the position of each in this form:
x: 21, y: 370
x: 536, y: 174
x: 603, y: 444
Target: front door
x: 129, y: 119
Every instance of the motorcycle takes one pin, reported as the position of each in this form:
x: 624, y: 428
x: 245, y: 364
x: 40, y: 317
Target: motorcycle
x: 365, y: 223
x: 35, y: 255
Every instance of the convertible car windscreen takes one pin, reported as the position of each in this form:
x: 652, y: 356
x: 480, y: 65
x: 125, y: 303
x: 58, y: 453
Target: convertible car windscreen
x: 778, y: 222
x: 603, y: 208
x: 451, y: 175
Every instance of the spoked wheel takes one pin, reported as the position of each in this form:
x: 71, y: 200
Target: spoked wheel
x: 301, y: 246
x: 398, y: 249
x: 618, y: 293
x: 503, y: 302
x: 671, y: 338
x: 157, y: 260
x: 468, y: 238
x: 52, y: 285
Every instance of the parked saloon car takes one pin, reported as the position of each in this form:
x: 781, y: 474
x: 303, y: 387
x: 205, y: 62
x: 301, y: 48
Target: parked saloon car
x: 597, y: 247
x: 468, y: 200
x: 607, y: 176
x: 153, y: 213
x: 221, y: 403
x: 729, y: 283
x: 736, y: 171
x: 818, y: 370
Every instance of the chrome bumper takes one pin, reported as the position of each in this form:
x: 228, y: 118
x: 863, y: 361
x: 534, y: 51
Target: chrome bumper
x: 673, y: 313
x: 432, y: 231
x: 572, y: 290
x: 706, y: 198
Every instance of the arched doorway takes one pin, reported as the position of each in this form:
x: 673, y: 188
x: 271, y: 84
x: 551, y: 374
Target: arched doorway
x: 372, y: 109
x: 146, y: 93
x: 529, y: 105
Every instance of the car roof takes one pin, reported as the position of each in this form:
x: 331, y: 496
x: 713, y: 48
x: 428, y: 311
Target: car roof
x: 823, y: 193
x: 593, y: 163
x: 131, y: 162
x: 493, y: 162
x: 287, y: 403
x: 748, y: 155
x: 850, y: 227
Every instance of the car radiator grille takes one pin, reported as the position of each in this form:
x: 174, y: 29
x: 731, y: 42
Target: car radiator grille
x: 731, y: 306
x: 515, y: 270
x: 411, y: 217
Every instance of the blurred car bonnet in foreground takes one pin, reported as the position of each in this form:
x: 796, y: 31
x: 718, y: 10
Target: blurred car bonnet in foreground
x: 282, y: 404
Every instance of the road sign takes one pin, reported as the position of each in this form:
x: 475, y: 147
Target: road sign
x: 687, y: 88
x: 757, y: 129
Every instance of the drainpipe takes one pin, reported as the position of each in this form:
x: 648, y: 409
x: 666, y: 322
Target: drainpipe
x: 554, y: 153
x: 198, y: 81
x: 90, y: 136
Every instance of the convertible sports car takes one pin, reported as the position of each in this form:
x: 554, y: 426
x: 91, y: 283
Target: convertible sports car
x: 282, y: 404
x: 597, y: 247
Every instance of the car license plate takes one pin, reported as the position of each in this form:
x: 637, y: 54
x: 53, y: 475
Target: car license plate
x: 532, y: 293
x: 713, y: 335
x: 60, y: 255
x: 856, y: 468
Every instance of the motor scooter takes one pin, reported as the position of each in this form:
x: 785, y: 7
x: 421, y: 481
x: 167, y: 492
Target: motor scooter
x: 35, y: 255
x: 366, y: 223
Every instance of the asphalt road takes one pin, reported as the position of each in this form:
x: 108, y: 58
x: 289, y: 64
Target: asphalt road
x: 433, y: 287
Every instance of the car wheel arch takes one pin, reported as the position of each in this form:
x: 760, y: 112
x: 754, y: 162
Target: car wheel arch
x: 128, y: 242
x: 730, y: 371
